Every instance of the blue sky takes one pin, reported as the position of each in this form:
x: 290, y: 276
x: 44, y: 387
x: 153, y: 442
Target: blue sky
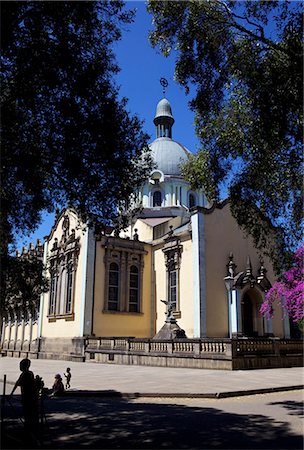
x: 141, y: 69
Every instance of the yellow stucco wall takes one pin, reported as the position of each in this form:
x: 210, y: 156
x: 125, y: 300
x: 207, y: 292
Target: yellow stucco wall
x: 66, y: 327
x: 122, y: 323
x: 186, y: 320
x: 186, y: 288
x: 222, y: 236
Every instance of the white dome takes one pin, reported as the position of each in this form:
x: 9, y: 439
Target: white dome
x: 168, y: 155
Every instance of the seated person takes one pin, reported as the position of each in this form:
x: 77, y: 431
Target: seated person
x: 58, y: 388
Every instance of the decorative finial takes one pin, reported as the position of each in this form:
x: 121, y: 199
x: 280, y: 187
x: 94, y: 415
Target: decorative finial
x: 231, y: 266
x: 135, y: 235
x: 164, y: 84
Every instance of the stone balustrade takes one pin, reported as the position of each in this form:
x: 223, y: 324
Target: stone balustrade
x: 238, y: 353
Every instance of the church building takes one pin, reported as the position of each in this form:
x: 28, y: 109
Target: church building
x: 182, y: 262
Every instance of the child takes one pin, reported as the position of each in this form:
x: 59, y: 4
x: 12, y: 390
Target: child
x: 68, y: 377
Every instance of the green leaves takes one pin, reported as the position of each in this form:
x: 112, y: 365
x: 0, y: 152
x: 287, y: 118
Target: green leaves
x: 198, y: 172
x: 243, y: 60
x: 67, y: 138
x: 63, y: 123
x: 24, y: 282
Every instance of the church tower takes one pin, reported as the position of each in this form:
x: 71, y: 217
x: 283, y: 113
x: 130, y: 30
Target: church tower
x: 166, y: 192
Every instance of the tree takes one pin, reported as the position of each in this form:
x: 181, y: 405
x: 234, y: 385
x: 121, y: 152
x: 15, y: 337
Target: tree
x: 67, y: 138
x: 289, y: 291
x: 244, y: 59
x: 24, y: 283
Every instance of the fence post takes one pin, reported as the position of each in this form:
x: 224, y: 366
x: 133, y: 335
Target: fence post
x: 3, y: 404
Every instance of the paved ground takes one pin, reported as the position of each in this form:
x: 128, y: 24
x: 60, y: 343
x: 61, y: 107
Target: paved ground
x: 95, y: 421
x: 156, y: 380
x: 265, y: 422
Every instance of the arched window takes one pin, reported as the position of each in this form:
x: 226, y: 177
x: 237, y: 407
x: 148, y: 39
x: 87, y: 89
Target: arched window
x: 192, y: 201
x: 134, y: 290
x: 113, y: 287
x: 157, y: 198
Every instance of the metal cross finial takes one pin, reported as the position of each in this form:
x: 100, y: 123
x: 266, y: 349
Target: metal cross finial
x: 164, y: 84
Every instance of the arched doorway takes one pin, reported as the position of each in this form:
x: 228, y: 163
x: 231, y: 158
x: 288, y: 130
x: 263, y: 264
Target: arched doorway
x: 252, y: 321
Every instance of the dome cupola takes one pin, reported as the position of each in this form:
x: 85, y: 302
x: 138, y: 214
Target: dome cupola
x: 167, y: 153
x: 163, y: 119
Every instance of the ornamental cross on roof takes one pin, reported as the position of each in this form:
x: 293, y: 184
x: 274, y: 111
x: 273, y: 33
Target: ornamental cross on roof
x: 164, y: 84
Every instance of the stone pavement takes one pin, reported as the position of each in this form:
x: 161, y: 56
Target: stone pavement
x: 142, y: 381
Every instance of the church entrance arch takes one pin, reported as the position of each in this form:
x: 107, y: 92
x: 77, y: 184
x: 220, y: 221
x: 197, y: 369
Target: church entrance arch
x: 251, y: 319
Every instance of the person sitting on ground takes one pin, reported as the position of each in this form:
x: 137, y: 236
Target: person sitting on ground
x: 68, y: 377
x: 58, y: 388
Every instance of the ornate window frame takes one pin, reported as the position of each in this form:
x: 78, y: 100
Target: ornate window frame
x: 173, y: 251
x: 126, y: 254
x: 63, y: 262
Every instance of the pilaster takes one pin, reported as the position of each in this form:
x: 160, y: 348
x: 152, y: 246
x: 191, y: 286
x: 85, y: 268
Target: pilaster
x: 199, y: 275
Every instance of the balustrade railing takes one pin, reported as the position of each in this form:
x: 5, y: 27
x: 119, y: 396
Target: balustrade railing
x: 197, y: 347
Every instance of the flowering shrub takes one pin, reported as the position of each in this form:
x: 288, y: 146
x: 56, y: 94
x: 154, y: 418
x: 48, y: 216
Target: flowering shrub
x: 289, y: 292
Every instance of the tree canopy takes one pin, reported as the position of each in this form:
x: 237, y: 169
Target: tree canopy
x: 67, y: 137
x: 244, y: 62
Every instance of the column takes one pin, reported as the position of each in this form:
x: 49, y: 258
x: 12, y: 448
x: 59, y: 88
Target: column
x: 16, y: 331
x: 9, y: 331
x: 42, y: 296
x: 22, y: 331
x: 31, y: 329
x: 90, y: 274
x: 3, y: 331
x: 199, y: 275
x: 145, y: 196
x: 286, y: 326
x: 173, y: 196
x: 234, y: 310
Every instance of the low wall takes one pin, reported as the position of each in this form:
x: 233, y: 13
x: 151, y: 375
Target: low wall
x: 228, y: 354
x: 68, y: 349
x: 267, y: 353
x: 18, y: 349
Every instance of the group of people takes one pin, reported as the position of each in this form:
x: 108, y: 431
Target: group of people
x: 58, y: 387
x: 32, y: 388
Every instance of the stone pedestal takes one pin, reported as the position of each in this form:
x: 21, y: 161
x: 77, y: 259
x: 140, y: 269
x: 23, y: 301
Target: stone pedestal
x: 170, y: 330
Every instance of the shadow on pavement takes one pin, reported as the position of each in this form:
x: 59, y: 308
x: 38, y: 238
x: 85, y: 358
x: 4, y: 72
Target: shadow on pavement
x: 104, y: 423
x: 295, y: 408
